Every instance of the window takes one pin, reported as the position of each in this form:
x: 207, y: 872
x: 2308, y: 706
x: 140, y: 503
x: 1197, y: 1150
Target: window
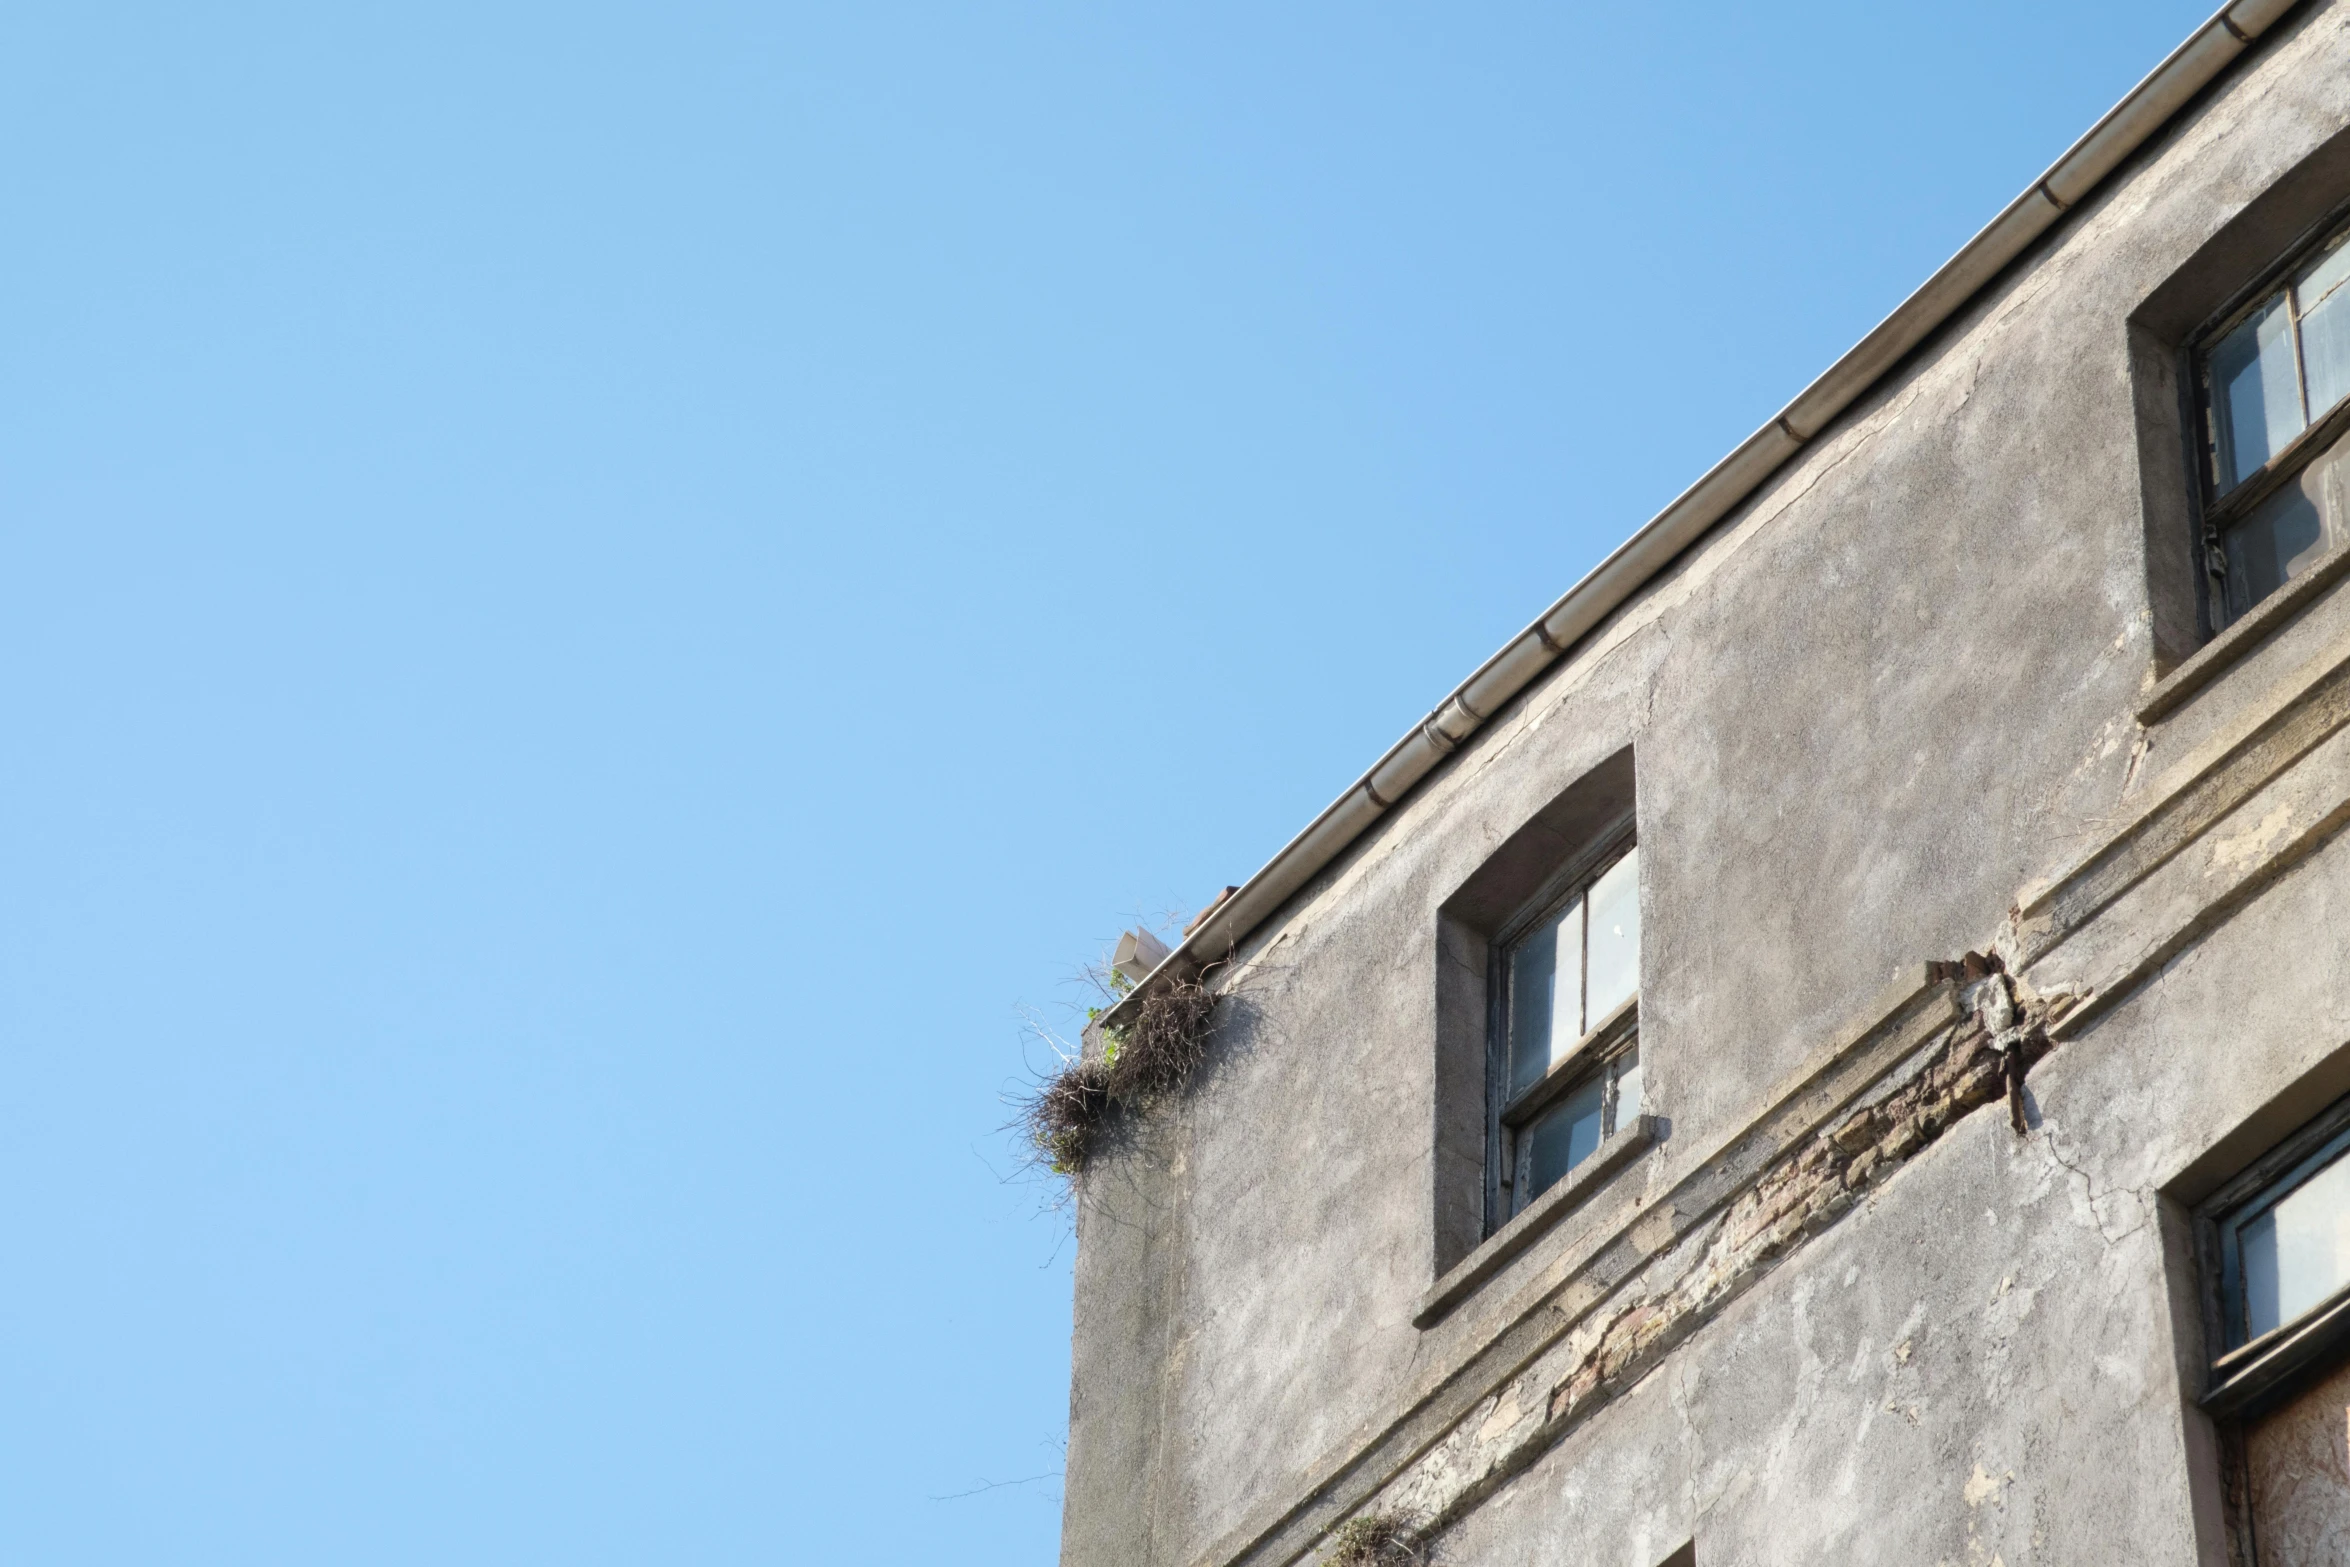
x: 2288, y: 1251
x: 1531, y: 911
x: 1569, y: 986
x: 2276, y: 1253
x: 2275, y: 393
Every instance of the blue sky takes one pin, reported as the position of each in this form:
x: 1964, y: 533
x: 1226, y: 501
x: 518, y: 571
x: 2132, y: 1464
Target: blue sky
x: 593, y: 598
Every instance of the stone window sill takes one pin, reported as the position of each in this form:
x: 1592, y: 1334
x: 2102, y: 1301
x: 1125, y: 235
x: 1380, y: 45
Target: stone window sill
x: 1504, y: 1245
x: 2212, y: 660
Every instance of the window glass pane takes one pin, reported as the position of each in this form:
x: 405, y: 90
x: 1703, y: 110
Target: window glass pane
x: 1565, y: 1015
x: 1561, y: 1140
x: 2298, y: 1252
x: 1627, y: 1088
x: 2325, y: 328
x: 2287, y: 533
x: 1537, y: 998
x: 1533, y: 995
x: 1615, y: 938
x: 2255, y: 394
x: 2321, y: 277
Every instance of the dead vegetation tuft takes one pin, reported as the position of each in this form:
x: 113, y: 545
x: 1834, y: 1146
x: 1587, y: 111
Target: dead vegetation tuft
x: 1067, y: 1115
x: 1063, y: 1117
x: 1377, y: 1540
x: 1157, y: 1052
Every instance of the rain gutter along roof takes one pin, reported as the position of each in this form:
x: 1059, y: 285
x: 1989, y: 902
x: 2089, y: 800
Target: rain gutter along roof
x: 2167, y: 88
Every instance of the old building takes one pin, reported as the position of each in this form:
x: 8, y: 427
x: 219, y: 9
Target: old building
x: 1834, y: 1046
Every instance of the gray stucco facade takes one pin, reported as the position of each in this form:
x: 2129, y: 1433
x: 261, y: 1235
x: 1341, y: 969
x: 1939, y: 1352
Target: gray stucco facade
x: 1942, y: 685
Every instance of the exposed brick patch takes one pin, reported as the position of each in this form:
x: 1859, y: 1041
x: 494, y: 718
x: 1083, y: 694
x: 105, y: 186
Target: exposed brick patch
x: 1978, y: 1061
x: 1807, y: 1192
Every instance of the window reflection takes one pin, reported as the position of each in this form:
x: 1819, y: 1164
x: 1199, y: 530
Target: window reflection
x: 2256, y: 392
x: 1568, y: 1133
x: 2325, y: 327
x: 1534, y: 997
x: 1564, y: 1138
x: 1613, y: 975
x: 2297, y: 1253
x: 2284, y: 535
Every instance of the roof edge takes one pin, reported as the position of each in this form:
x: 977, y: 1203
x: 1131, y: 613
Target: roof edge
x: 2147, y: 107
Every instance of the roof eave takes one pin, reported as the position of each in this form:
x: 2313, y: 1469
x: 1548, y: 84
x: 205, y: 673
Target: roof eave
x: 2166, y: 89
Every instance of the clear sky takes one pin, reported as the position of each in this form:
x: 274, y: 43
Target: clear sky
x: 593, y: 597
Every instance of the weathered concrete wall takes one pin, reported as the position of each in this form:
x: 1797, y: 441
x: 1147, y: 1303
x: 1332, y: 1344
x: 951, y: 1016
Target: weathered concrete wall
x: 1985, y: 1358
x: 1889, y: 701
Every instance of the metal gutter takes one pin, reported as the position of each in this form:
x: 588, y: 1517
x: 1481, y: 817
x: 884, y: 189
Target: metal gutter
x: 2190, y: 68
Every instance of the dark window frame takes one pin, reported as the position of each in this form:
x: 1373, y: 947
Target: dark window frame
x: 2221, y: 512
x: 1598, y: 1053
x: 2246, y: 1375
x: 2246, y: 1379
